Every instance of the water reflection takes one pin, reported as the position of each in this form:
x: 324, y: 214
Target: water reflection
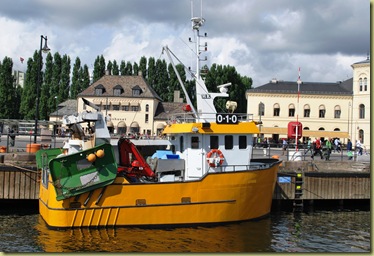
x: 323, y: 231
x: 252, y: 236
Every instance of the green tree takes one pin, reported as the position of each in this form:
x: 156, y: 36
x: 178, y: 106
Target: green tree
x: 128, y: 69
x: 63, y: 92
x: 28, y: 105
x: 7, y: 89
x: 143, y: 66
x: 161, y: 79
x: 173, y: 83
x: 76, y: 79
x: 135, y: 68
x: 99, y: 68
x: 109, y: 67
x: 45, y: 105
x: 122, y: 68
x: 115, y: 68
x: 151, y: 71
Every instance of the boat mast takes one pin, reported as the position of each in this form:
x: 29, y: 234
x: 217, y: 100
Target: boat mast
x: 205, y: 106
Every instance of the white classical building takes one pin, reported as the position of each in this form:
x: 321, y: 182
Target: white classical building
x: 326, y: 110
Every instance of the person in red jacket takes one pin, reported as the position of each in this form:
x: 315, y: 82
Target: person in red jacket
x: 317, y: 148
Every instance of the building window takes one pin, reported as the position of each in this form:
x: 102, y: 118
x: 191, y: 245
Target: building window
x: 125, y: 108
x: 98, y: 91
x: 135, y: 108
x: 362, y: 111
x: 276, y: 110
x: 213, y: 142
x: 322, y: 111
x: 115, y: 107
x: 306, y: 110
x: 135, y: 92
x: 365, y: 84
x: 361, y: 135
x: 229, y: 142
x: 291, y: 110
x: 147, y: 108
x: 117, y: 92
x: 360, y: 83
x: 106, y: 107
x: 146, y: 118
x: 337, y: 112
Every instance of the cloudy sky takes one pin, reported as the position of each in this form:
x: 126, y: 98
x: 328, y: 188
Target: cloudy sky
x: 263, y: 39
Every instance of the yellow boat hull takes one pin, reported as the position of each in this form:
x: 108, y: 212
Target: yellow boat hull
x: 217, y: 198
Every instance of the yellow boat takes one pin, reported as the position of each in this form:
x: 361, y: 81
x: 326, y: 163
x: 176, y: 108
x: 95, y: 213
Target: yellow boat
x: 207, y: 175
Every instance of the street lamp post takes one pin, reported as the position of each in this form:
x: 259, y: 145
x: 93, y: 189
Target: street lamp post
x: 45, y: 49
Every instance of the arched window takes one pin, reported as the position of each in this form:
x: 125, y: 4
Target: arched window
x: 322, y: 111
x: 337, y: 111
x: 361, y: 135
x: 336, y: 130
x: 362, y: 111
x: 306, y: 110
x: 291, y: 110
x: 276, y: 109
x: 365, y: 84
x: 360, y: 83
x: 146, y: 108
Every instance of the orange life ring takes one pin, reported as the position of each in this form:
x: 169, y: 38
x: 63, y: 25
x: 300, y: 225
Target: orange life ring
x: 213, y: 156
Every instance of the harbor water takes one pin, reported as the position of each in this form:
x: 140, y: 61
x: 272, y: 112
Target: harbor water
x: 23, y: 230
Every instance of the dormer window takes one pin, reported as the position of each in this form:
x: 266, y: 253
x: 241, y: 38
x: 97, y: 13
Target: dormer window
x: 117, y: 90
x: 99, y: 90
x: 136, y: 91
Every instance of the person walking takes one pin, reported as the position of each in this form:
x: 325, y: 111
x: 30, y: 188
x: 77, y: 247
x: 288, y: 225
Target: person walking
x: 12, y: 137
x: 317, y: 148
x: 328, y: 148
x: 284, y: 146
x: 349, y: 149
x: 309, y: 147
x: 358, y: 147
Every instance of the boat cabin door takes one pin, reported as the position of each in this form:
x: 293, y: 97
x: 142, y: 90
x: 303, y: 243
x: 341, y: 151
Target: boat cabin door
x: 195, y: 156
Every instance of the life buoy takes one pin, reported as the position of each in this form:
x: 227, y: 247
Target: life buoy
x: 215, y: 158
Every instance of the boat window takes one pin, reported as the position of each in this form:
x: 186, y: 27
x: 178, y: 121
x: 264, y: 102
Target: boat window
x: 213, y: 142
x: 242, y: 142
x: 181, y: 144
x: 194, y: 142
x: 229, y: 142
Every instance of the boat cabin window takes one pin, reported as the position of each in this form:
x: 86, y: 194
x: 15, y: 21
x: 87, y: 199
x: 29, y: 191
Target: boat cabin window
x: 213, y: 142
x: 194, y: 142
x: 242, y: 142
x: 229, y: 142
x: 181, y: 149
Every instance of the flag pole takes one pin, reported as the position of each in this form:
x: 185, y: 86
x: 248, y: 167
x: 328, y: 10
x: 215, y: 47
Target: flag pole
x: 297, y: 110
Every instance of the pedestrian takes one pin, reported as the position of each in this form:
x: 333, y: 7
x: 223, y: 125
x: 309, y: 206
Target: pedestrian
x: 336, y: 145
x: 317, y: 148
x: 349, y: 149
x: 284, y: 146
x: 328, y: 148
x: 358, y: 147
x: 266, y: 146
x: 12, y: 137
x: 309, y: 147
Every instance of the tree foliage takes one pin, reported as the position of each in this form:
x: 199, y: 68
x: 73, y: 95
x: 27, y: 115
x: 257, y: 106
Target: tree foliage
x: 56, y: 85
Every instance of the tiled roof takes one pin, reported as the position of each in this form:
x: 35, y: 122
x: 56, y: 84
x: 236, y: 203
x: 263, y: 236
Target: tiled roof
x: 128, y: 83
x: 291, y: 87
x: 68, y: 107
x: 166, y: 109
